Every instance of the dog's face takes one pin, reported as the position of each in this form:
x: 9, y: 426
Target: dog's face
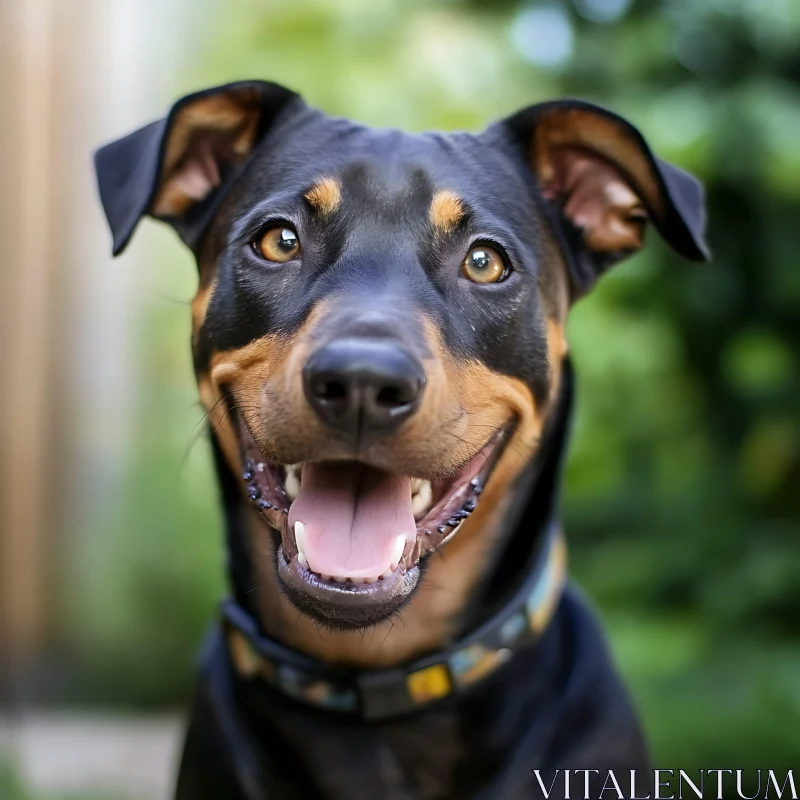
x: 378, y: 331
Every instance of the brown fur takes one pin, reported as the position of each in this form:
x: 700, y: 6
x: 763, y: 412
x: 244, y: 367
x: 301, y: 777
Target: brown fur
x: 579, y: 129
x: 446, y: 211
x: 265, y: 379
x: 433, y: 615
x: 217, y: 128
x: 325, y: 196
x: 200, y: 303
x: 240, y: 371
x: 464, y: 403
x: 603, y: 174
x: 373, y: 404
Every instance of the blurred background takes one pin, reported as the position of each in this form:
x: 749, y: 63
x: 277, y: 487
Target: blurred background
x: 683, y: 488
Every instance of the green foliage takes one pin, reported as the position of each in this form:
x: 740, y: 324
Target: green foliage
x: 145, y: 581
x: 682, y: 491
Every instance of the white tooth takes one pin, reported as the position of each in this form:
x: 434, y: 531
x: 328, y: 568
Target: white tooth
x: 386, y: 574
x: 415, y: 484
x: 450, y: 535
x: 399, y: 546
x: 421, y: 501
x: 292, y: 483
x: 260, y: 467
x: 370, y: 580
x: 340, y: 578
x: 324, y: 577
x: 300, y: 537
x: 301, y: 559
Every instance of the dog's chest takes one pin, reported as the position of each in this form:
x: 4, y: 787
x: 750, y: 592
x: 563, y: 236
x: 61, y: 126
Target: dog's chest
x: 415, y: 759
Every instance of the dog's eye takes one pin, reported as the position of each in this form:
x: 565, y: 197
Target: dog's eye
x: 484, y: 264
x: 279, y: 244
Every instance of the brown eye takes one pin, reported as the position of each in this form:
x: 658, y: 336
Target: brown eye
x: 279, y: 244
x: 484, y: 264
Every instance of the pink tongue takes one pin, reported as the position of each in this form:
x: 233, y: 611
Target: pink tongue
x: 352, y: 517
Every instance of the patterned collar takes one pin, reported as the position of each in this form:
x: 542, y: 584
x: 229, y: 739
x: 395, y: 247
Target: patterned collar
x: 382, y: 693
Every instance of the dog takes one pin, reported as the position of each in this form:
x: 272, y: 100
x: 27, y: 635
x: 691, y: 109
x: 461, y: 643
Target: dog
x: 378, y: 339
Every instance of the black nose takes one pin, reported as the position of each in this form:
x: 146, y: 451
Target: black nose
x: 363, y: 385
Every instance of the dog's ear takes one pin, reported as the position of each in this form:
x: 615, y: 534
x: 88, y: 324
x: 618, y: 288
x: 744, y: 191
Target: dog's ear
x: 174, y: 169
x: 602, y: 184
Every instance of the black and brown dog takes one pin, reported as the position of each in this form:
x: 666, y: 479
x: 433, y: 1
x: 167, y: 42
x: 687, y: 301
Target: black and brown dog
x: 378, y: 338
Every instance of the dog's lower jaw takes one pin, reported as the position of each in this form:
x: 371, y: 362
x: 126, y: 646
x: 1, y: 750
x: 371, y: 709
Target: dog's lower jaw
x: 341, y: 609
x: 351, y: 545
x: 428, y: 619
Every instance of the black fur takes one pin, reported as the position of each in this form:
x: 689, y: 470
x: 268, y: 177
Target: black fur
x: 556, y: 705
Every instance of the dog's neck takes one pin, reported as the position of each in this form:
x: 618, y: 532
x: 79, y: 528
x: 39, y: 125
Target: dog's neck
x: 460, y: 587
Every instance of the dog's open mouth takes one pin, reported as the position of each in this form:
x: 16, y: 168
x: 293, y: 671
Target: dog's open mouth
x: 353, y: 534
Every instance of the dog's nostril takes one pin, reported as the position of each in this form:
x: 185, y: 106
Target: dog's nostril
x: 392, y: 396
x: 331, y: 390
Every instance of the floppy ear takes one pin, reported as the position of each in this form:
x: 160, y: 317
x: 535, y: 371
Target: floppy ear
x: 602, y: 184
x: 174, y: 169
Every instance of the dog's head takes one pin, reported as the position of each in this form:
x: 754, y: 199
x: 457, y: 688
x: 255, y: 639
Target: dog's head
x: 378, y: 329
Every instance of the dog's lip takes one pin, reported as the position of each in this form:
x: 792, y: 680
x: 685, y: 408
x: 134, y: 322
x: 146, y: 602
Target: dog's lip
x: 456, y: 501
x: 398, y: 585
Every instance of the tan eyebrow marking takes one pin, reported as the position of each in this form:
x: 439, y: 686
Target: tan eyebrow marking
x: 325, y: 195
x: 447, y: 210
